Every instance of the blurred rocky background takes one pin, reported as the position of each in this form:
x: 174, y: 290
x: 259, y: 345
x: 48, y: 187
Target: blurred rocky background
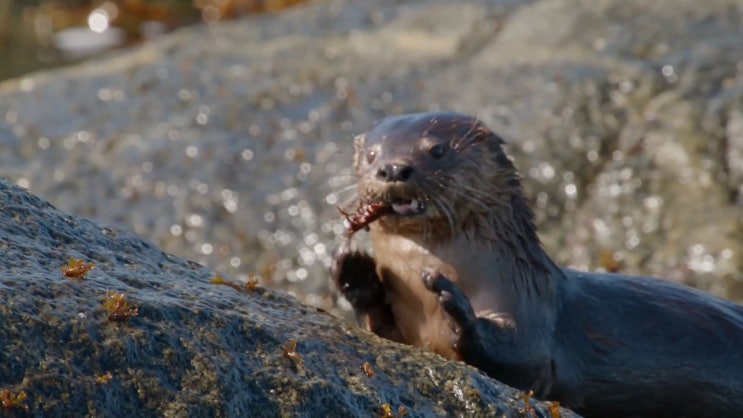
x: 36, y: 34
x: 230, y: 142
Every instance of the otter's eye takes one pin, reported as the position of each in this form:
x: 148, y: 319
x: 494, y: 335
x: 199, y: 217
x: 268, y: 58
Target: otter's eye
x: 437, y: 151
x: 370, y: 156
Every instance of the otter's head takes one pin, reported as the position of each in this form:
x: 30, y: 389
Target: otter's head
x: 437, y: 173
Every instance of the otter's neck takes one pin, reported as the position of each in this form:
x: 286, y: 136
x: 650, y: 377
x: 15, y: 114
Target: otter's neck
x: 500, y: 263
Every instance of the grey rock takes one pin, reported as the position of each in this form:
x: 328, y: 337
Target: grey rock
x: 195, y: 348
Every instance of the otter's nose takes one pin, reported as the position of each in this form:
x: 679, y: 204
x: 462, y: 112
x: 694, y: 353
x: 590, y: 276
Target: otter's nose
x: 394, y: 172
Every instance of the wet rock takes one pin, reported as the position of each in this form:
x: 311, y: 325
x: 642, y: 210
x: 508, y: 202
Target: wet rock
x: 230, y: 144
x: 195, y: 348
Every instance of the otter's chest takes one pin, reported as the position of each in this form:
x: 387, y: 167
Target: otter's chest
x: 418, y: 314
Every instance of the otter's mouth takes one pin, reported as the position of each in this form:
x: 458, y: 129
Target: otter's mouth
x: 369, y: 212
x: 408, y: 207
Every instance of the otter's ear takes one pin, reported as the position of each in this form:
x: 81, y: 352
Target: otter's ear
x: 358, y: 143
x: 482, y: 133
x: 496, y: 138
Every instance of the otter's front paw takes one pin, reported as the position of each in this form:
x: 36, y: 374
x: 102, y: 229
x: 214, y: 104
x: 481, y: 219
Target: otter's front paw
x: 485, y: 339
x: 355, y: 276
x: 454, y: 302
x: 457, y: 305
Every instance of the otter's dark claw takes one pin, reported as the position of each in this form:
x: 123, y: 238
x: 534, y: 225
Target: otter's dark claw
x: 454, y: 302
x: 444, y: 297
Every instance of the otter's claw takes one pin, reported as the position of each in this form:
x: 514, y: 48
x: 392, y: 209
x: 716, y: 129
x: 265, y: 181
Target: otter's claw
x: 454, y: 302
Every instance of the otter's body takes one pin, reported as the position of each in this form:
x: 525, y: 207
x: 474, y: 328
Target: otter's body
x: 638, y: 346
x: 458, y: 269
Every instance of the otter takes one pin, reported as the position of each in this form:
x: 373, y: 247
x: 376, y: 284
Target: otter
x: 458, y: 269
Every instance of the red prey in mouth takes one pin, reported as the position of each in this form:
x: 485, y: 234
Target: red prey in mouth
x: 369, y: 212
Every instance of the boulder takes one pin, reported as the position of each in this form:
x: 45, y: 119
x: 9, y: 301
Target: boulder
x: 184, y: 344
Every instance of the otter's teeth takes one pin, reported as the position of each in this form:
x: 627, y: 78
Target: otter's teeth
x: 412, y: 207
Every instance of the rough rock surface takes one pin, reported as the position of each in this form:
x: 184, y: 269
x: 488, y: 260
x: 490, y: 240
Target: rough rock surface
x: 195, y: 348
x: 230, y: 144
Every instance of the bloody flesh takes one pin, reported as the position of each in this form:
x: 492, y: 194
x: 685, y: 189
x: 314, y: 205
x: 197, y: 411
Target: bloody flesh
x: 366, y: 213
